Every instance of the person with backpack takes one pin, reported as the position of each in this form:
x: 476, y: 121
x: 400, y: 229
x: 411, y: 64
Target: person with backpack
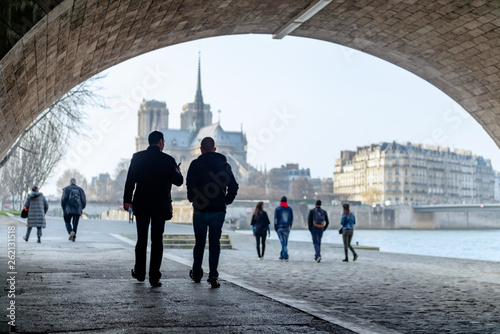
x: 318, y: 223
x: 347, y: 221
x: 260, y: 225
x: 73, y: 201
x: 283, y: 221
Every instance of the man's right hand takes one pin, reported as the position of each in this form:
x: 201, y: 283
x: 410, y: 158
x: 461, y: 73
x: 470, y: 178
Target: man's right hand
x: 126, y: 206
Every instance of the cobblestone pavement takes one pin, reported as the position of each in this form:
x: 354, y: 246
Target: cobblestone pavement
x: 407, y: 293
x: 85, y: 287
x: 397, y: 292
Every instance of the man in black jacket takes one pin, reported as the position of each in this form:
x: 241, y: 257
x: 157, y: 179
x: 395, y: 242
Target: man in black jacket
x: 152, y: 174
x: 210, y: 187
x: 73, y: 201
x: 318, y: 223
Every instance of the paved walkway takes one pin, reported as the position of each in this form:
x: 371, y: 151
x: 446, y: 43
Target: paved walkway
x: 85, y: 286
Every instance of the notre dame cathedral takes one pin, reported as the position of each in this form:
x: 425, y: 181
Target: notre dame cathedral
x: 196, y: 123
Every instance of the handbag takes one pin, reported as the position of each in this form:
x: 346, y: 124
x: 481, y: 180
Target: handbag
x: 340, y: 231
x: 24, y: 212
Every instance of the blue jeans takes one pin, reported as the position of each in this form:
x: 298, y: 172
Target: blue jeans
x: 283, y: 234
x: 317, y: 234
x: 202, y: 221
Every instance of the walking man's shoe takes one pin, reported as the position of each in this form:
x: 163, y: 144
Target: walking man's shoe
x: 134, y: 275
x: 191, y: 274
x: 71, y: 236
x: 39, y: 241
x: 214, y: 282
x: 25, y: 239
x: 345, y: 260
x: 355, y: 257
x: 318, y: 260
x: 155, y: 284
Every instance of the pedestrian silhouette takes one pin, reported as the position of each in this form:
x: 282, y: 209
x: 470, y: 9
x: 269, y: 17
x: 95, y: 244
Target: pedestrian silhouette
x: 73, y: 201
x: 211, y: 186
x: 37, y: 208
x: 283, y: 221
x: 317, y: 223
x: 147, y: 191
x: 260, y: 226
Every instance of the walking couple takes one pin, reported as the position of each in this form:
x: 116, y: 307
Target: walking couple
x: 211, y: 186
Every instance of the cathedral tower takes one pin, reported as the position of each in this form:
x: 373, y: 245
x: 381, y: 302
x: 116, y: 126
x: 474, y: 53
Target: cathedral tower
x: 153, y: 115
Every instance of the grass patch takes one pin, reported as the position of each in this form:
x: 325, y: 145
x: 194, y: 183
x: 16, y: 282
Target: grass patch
x: 14, y: 212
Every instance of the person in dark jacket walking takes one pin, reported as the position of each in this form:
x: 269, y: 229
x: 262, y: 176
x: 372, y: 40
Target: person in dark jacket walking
x: 37, y: 208
x: 260, y: 225
x: 347, y: 221
x: 318, y: 223
x: 283, y: 221
x: 73, y: 201
x: 151, y: 174
x: 211, y: 186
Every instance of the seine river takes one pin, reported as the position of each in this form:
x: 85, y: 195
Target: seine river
x: 465, y: 244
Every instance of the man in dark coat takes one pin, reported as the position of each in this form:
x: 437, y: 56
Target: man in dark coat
x: 152, y: 174
x: 210, y: 187
x: 318, y: 223
x: 73, y: 201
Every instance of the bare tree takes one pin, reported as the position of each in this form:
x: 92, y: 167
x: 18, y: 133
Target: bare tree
x: 43, y: 144
x: 302, y: 188
x: 120, y: 178
x: 67, y: 175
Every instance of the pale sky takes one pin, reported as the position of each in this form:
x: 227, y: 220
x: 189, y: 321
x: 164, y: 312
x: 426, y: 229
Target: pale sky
x: 298, y: 100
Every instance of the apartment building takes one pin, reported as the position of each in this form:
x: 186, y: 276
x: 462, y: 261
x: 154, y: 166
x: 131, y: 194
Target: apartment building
x: 409, y: 173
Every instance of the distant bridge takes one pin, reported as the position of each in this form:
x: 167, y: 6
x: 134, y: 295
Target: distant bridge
x: 456, y: 207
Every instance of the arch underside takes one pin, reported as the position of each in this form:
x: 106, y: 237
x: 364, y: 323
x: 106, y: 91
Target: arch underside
x: 455, y: 45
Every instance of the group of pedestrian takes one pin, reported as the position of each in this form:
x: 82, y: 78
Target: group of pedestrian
x: 211, y: 186
x: 73, y: 201
x: 317, y: 223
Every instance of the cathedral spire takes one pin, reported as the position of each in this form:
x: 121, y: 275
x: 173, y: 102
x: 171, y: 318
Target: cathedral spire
x: 198, y: 100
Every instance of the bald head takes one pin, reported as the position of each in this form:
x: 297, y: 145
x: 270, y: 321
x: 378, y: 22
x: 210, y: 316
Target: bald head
x: 207, y: 145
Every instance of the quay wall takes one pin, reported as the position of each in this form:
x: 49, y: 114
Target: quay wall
x: 239, y: 214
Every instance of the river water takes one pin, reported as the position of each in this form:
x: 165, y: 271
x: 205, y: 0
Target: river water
x: 465, y: 244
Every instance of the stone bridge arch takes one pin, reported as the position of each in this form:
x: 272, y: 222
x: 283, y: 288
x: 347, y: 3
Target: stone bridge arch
x: 455, y: 45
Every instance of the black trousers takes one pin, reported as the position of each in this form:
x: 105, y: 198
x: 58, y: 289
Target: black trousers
x: 157, y: 228
x: 260, y: 237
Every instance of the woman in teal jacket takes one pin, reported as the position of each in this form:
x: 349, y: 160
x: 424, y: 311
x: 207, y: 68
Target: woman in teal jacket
x: 347, y: 221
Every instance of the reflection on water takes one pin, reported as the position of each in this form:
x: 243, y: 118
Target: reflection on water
x: 465, y: 244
